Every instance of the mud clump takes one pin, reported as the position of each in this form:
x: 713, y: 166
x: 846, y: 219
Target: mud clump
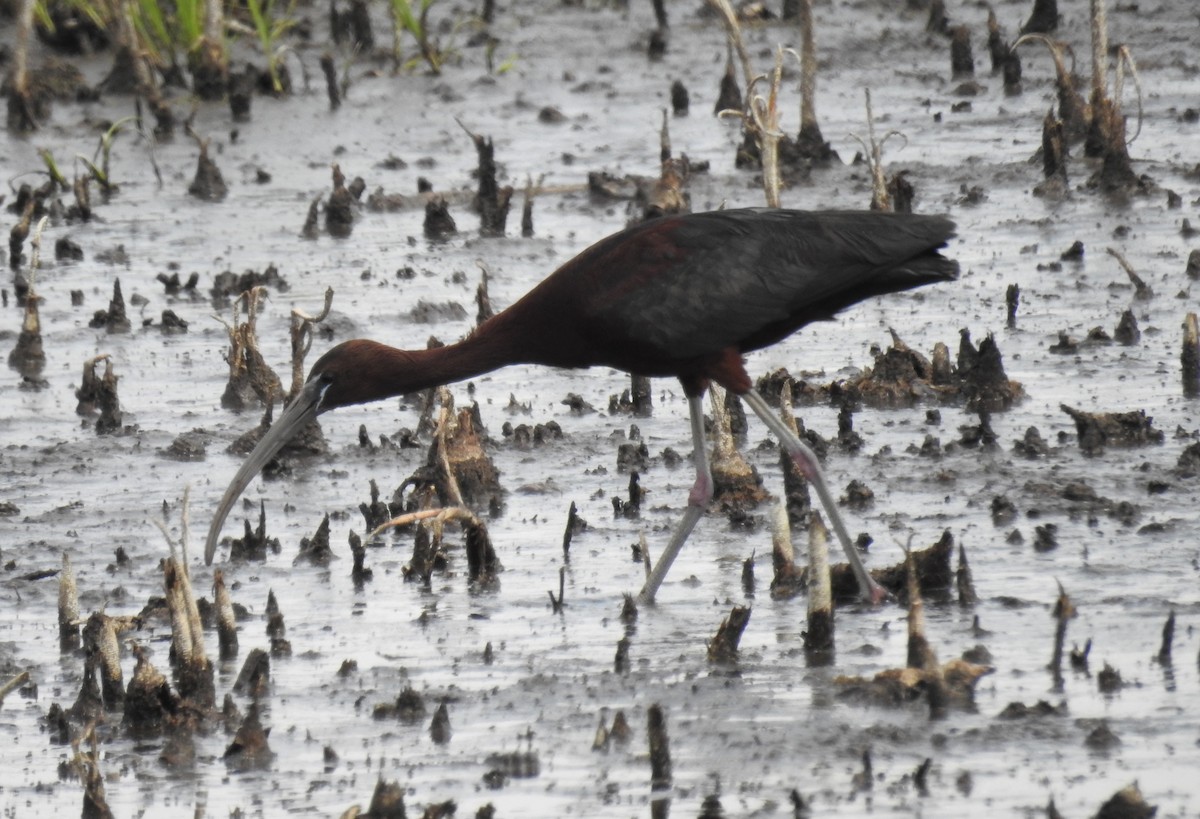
x: 465, y: 473
x: 343, y: 201
x: 723, y: 649
x: 150, y: 704
x: 97, y: 394
x: 254, y: 545
x: 439, y: 224
x: 316, y: 551
x: 1097, y: 430
x: 935, y: 576
x: 1127, y: 803
x: 250, y: 749
x: 254, y: 679
x: 376, y: 513
x: 902, y: 376
x: 408, y: 707
x: 208, y: 185
x: 491, y: 200
x: 432, y: 313
x: 229, y: 284
x: 114, y: 319
x: 251, y: 380
x: 188, y: 446
x: 737, y: 486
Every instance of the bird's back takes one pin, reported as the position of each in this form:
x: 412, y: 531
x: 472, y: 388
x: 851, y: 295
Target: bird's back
x: 670, y: 292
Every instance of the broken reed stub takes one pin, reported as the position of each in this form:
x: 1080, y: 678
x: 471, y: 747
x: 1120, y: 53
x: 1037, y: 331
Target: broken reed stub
x: 1189, y: 357
x: 227, y: 637
x: 68, y: 608
x: 724, y: 646
x: 819, y: 638
x: 660, y: 751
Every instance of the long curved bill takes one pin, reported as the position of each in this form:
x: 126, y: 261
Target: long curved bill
x: 294, y: 418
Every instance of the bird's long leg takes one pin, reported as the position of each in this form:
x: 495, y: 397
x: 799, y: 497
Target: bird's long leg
x: 806, y: 459
x: 698, y: 500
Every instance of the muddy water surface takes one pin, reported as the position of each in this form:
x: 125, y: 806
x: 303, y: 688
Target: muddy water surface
x: 748, y: 734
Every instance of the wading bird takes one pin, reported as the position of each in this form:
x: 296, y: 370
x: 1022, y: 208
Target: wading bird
x: 683, y: 296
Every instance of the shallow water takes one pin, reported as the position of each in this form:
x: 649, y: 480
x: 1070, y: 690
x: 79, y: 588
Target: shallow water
x: 750, y: 734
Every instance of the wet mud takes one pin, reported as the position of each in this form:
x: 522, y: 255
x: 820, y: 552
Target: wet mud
x: 1029, y: 434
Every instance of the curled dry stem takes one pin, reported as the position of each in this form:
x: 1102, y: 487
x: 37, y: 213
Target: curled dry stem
x: 178, y: 550
x: 873, y: 149
x: 438, y: 517
x: 35, y: 245
x: 244, y: 357
x: 1075, y: 113
x: 447, y: 420
x: 1125, y: 61
x: 13, y: 684
x: 729, y: 18
x: 760, y: 120
x: 187, y: 631
x: 1057, y: 48
x: 302, y: 338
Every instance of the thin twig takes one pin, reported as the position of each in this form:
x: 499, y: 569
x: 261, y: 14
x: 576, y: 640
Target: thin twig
x: 13, y: 684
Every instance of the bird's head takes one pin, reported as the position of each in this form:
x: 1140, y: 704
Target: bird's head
x: 353, y: 372
x: 341, y: 377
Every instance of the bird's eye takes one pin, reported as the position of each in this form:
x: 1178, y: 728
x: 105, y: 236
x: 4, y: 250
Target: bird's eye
x: 326, y: 378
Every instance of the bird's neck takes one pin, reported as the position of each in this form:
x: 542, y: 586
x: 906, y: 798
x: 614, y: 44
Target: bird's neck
x: 400, y: 372
x: 455, y: 362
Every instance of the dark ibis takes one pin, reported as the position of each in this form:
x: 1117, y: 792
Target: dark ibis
x: 685, y: 296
